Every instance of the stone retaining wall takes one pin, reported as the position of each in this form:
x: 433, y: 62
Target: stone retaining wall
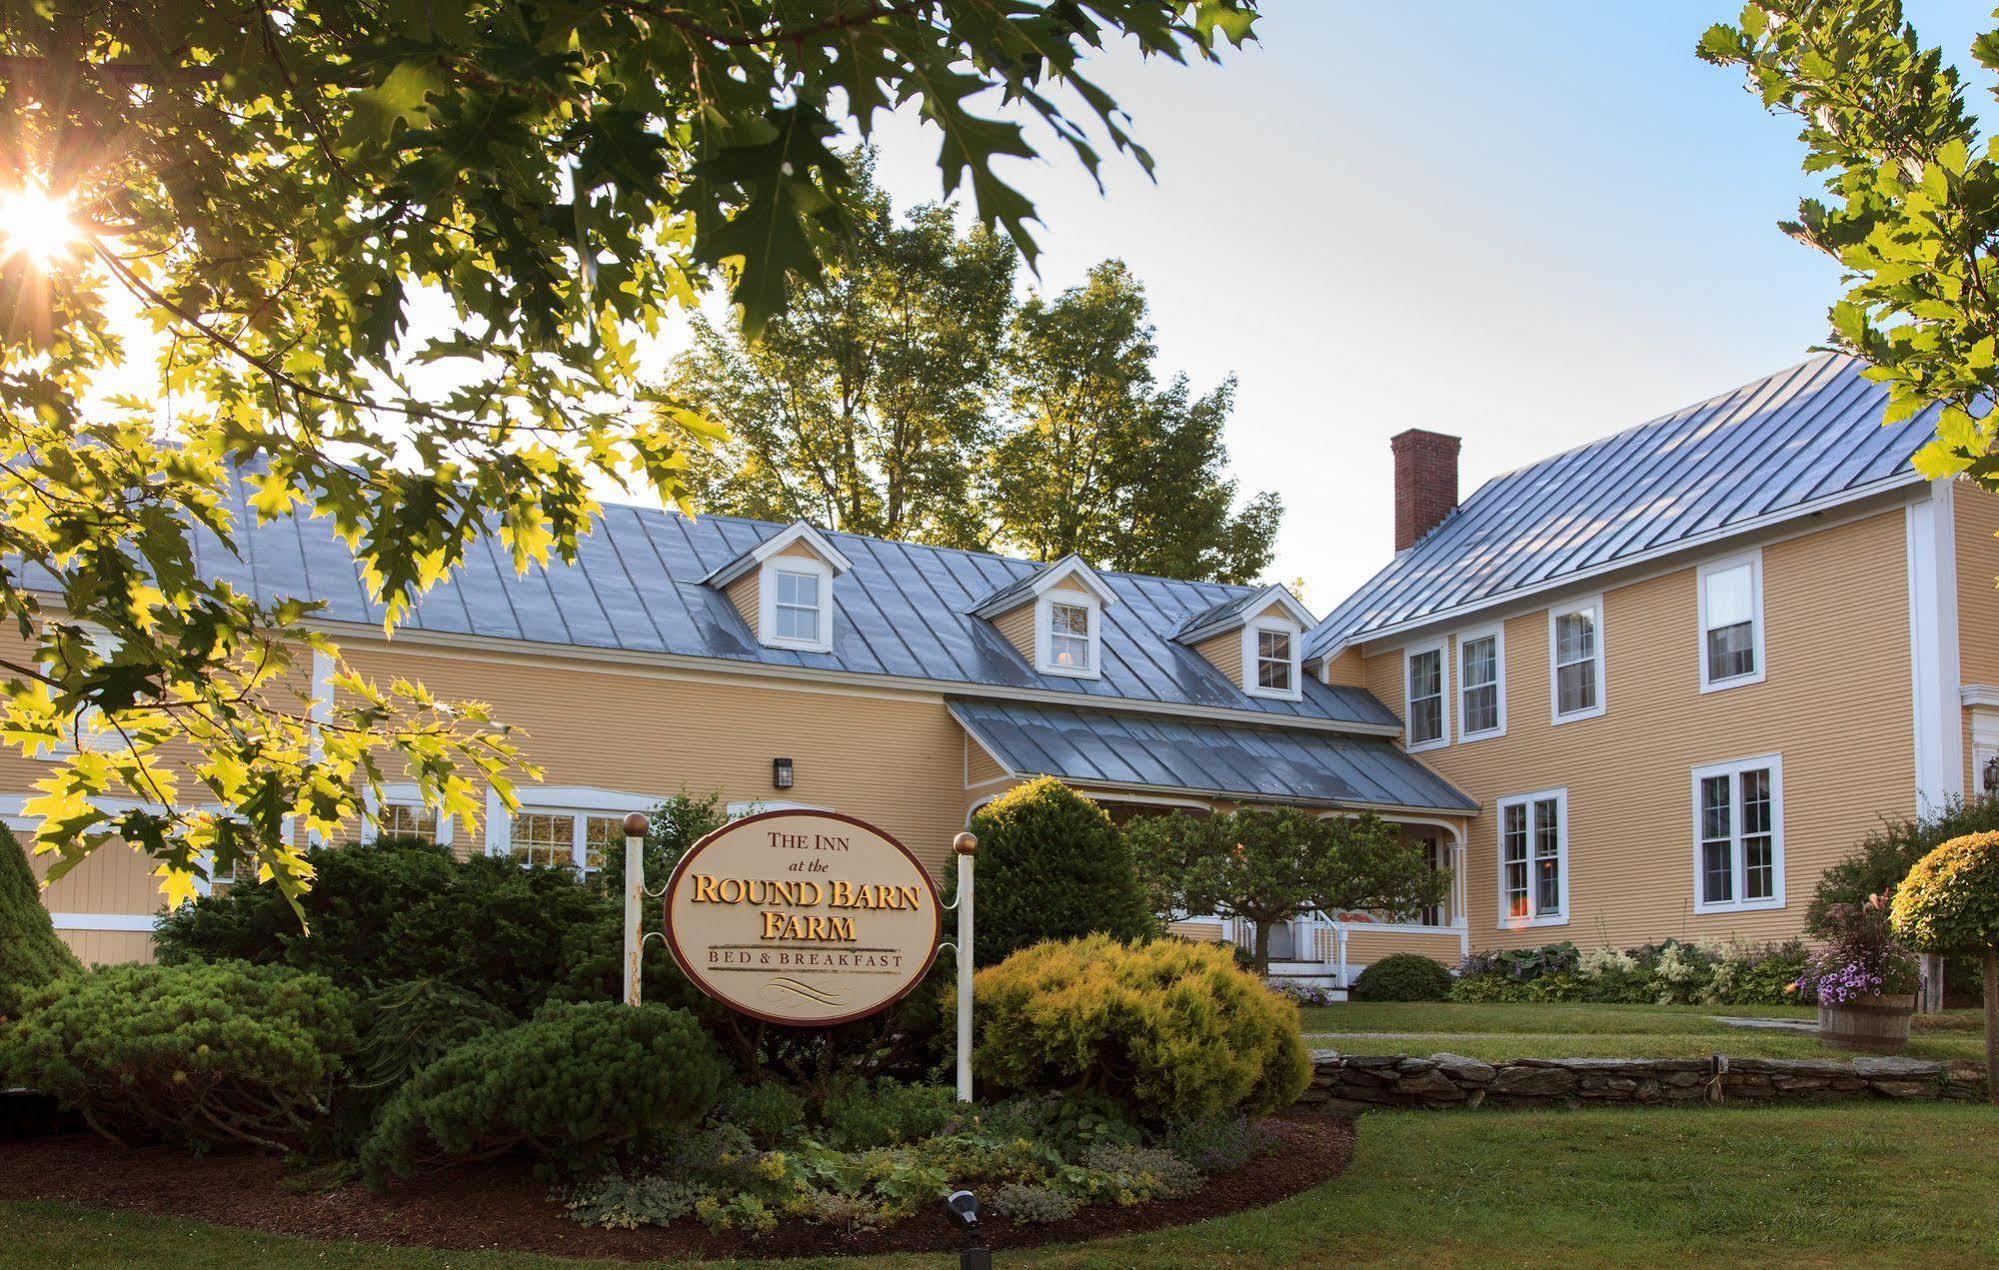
x: 1361, y: 1082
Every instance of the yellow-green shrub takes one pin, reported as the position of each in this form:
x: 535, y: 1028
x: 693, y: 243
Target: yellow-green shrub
x: 1949, y: 903
x: 1170, y: 1028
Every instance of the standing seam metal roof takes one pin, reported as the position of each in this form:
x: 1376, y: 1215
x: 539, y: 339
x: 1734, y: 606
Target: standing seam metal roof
x: 903, y: 610
x: 1780, y: 445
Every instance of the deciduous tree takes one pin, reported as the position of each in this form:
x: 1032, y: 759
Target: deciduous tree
x: 396, y: 258
x: 1271, y: 865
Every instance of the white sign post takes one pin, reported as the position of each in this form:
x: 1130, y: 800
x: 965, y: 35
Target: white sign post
x: 635, y: 887
x: 966, y: 846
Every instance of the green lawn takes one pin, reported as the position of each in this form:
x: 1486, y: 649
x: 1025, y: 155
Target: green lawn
x: 1601, y: 1031
x: 1882, y: 1184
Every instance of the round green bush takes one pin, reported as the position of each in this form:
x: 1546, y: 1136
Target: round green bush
x: 1170, y: 1029
x: 1052, y: 866
x: 1402, y: 977
x: 576, y: 1085
x: 1949, y: 903
x: 30, y: 952
x: 200, y: 1055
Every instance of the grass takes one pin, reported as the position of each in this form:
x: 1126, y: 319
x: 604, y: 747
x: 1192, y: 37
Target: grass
x: 1547, y: 1030
x: 1885, y: 1184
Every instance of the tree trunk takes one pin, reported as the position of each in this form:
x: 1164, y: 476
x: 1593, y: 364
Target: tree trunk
x: 1992, y: 1026
x: 1263, y: 933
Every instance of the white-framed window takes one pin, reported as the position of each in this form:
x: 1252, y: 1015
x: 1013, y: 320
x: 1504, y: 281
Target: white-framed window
x: 571, y: 826
x: 409, y: 820
x: 1068, y: 630
x: 795, y: 596
x: 402, y: 814
x: 1423, y: 680
x: 1739, y: 835
x: 84, y: 727
x: 1482, y: 683
x: 1575, y: 660
x: 1270, y: 652
x: 1731, y: 619
x: 1534, y: 859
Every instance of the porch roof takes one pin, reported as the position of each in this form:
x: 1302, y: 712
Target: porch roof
x: 1166, y: 755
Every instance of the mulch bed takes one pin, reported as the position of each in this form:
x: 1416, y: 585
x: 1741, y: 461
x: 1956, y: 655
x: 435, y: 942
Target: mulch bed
x: 503, y: 1207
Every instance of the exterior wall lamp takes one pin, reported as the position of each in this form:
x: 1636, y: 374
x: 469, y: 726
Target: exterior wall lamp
x: 780, y: 773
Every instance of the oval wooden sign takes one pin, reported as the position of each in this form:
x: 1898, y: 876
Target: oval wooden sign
x: 805, y: 918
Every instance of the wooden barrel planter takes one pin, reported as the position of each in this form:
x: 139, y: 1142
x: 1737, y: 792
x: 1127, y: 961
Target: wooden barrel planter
x: 1871, y: 1025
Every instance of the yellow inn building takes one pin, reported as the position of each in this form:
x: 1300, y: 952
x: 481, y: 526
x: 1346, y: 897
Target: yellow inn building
x: 1649, y: 687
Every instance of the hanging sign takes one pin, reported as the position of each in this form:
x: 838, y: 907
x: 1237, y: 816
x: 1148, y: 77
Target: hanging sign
x: 807, y: 918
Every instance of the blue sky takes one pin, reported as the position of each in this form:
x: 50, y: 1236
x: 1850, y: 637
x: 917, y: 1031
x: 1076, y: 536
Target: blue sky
x: 1529, y: 224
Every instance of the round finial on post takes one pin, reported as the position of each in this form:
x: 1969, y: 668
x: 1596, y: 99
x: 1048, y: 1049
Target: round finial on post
x: 965, y: 843
x: 635, y: 825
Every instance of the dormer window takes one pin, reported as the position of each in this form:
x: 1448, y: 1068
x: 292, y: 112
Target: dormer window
x: 797, y: 601
x: 1070, y: 629
x: 1256, y: 638
x: 783, y: 587
x: 1270, y: 649
x: 1053, y: 617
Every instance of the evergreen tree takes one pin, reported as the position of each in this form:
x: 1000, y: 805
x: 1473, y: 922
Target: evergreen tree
x: 1052, y: 866
x: 30, y: 953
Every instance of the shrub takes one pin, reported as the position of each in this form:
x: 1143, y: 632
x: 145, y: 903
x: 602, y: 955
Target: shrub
x: 1476, y: 989
x: 1031, y: 1203
x: 1402, y: 977
x: 1885, y: 856
x: 402, y: 1028
x: 574, y: 1085
x: 1748, y: 975
x: 671, y: 828
x: 885, y: 1113
x: 767, y: 1112
x: 1170, y: 1029
x: 1219, y: 1144
x: 198, y: 1055
x: 403, y: 909
x: 1949, y: 902
x: 30, y: 953
x: 1052, y: 866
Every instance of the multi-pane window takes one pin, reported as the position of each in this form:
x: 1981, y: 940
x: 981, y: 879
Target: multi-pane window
x: 1533, y: 858
x: 564, y: 839
x: 1577, y: 634
x: 1426, y: 696
x: 1731, y: 616
x: 1274, y: 666
x: 409, y: 820
x: 796, y: 610
x: 1738, y: 859
x: 1478, y: 685
x: 85, y: 730
x: 1069, y: 636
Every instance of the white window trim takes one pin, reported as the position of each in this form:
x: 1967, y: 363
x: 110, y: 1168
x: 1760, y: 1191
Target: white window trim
x: 1754, y: 559
x: 1497, y: 632
x: 1249, y: 658
x: 1044, y: 616
x: 1561, y: 800
x: 578, y: 801
x: 1593, y: 603
x: 1775, y: 764
x: 767, y: 603
x: 400, y: 796
x: 103, y: 643
x: 1441, y: 647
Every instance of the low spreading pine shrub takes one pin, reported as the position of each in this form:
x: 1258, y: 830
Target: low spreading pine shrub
x: 1170, y: 1029
x: 1402, y: 977
x: 199, y: 1055
x: 574, y: 1086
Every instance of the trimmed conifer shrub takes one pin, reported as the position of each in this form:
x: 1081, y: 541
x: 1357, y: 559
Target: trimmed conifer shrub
x: 200, y: 1055
x: 1171, y: 1029
x: 1052, y: 866
x: 1403, y: 977
x: 30, y: 952
x: 577, y: 1085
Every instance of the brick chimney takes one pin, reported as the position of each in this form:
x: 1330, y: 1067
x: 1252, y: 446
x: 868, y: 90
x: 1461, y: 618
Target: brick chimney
x: 1426, y: 482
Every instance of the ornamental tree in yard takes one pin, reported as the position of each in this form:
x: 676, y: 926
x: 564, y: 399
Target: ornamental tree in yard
x: 1949, y: 903
x: 1052, y: 866
x: 30, y: 952
x: 394, y: 261
x: 1267, y: 866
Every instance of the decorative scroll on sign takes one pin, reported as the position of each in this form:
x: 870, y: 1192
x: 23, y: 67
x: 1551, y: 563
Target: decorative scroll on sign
x: 802, y: 917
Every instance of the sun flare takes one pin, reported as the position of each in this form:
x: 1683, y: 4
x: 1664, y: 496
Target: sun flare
x: 36, y: 224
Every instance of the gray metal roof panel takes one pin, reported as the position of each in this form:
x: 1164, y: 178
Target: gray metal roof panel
x: 1226, y: 760
x: 903, y: 610
x: 1782, y: 444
